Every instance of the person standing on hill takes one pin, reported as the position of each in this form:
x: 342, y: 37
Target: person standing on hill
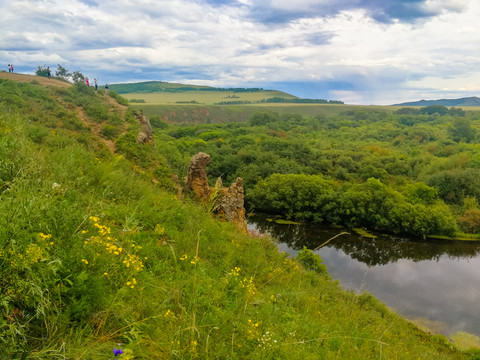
x: 106, y: 89
x: 87, y: 81
x: 49, y: 74
x: 95, y: 81
x: 9, y: 70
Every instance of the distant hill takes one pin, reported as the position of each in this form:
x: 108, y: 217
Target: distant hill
x: 467, y: 101
x: 162, y: 86
x: 160, y: 92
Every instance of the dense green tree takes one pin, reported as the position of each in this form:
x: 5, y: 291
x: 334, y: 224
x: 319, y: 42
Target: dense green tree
x: 294, y: 196
x: 462, y: 130
x: 42, y: 71
x: 421, y: 193
x: 454, y: 185
x: 412, y: 155
x: 78, y: 77
x: 262, y: 118
x: 62, y: 73
x: 434, y: 109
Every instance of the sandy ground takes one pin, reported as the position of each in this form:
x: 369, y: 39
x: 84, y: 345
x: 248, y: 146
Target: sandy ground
x: 28, y: 78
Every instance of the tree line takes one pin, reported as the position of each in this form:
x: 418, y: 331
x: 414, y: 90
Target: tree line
x: 395, y: 171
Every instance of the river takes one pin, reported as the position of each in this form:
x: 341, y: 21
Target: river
x: 435, y: 283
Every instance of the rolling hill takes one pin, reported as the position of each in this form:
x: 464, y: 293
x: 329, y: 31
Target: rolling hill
x: 465, y: 102
x: 160, y: 92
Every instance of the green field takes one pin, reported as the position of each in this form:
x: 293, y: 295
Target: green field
x: 204, y: 97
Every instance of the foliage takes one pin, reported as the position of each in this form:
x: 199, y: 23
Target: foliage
x: 371, y: 204
x: 120, y: 99
x: 462, y: 130
x: 295, y: 196
x: 78, y: 77
x: 62, y: 73
x: 415, y: 156
x: 311, y: 261
x: 434, y: 109
x: 42, y: 71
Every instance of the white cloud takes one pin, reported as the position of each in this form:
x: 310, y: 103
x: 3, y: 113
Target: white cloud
x: 192, y: 41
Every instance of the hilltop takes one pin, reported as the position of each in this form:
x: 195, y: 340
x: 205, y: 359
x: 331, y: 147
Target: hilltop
x: 29, y: 78
x: 162, y: 86
x: 99, y: 250
x: 159, y: 92
x: 461, y: 102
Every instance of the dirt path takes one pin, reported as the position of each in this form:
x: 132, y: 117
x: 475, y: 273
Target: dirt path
x: 95, y: 128
x: 87, y: 121
x: 29, y: 78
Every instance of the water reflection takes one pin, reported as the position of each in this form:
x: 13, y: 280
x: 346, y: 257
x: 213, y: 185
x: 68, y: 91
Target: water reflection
x: 435, y: 280
x: 379, y: 251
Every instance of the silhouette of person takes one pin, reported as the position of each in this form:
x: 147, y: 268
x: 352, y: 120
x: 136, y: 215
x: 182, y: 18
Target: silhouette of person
x: 106, y: 89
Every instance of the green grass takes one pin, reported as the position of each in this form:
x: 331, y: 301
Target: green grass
x: 92, y: 254
x: 203, y: 97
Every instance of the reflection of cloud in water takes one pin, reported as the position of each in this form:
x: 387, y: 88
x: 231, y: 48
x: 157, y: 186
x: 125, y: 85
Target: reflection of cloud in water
x: 435, y: 280
x: 446, y: 290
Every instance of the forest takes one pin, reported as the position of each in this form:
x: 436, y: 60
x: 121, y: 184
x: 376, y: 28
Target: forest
x: 409, y: 171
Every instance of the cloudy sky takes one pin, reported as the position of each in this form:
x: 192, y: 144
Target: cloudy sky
x: 358, y: 51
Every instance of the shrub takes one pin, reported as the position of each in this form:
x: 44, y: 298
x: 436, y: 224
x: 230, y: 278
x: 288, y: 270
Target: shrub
x: 311, y: 261
x: 109, y: 131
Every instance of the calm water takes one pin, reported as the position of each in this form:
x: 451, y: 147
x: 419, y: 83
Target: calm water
x: 435, y: 281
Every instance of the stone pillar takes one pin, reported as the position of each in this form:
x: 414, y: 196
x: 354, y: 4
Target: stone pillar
x: 196, y: 179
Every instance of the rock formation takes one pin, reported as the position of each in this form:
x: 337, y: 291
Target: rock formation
x: 146, y: 131
x: 230, y: 202
x: 197, y: 176
x: 225, y: 202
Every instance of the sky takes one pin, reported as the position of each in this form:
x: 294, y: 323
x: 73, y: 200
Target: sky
x: 357, y: 51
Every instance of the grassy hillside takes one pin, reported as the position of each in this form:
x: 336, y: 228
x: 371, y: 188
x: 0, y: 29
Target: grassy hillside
x: 159, y: 92
x: 97, y: 253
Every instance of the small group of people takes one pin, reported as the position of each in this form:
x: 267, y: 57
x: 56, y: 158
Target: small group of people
x: 95, y: 82
x: 10, y: 68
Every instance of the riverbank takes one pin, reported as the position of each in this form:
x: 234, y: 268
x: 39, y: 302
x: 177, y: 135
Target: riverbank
x: 420, y: 280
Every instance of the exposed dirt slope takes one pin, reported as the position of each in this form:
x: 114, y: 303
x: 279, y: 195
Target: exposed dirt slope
x: 94, y: 126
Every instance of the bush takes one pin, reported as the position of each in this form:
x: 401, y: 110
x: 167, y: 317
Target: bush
x: 311, y: 261
x: 120, y: 99
x: 109, y: 131
x: 294, y: 196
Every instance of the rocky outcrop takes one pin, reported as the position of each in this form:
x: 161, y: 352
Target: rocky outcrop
x: 146, y: 131
x: 196, y: 179
x: 228, y: 203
